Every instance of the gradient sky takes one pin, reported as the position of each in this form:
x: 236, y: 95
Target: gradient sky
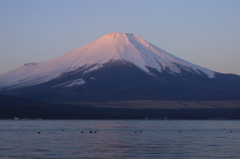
x: 204, y: 32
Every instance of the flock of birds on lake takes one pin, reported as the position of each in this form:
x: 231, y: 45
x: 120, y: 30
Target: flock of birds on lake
x: 95, y: 131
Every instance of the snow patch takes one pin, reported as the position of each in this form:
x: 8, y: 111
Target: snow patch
x: 72, y: 83
x: 76, y: 82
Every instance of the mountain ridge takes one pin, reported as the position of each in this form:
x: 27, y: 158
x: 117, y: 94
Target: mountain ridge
x: 110, y: 47
x: 115, y: 67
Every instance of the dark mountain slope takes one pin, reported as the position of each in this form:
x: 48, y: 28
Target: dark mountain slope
x: 124, y: 81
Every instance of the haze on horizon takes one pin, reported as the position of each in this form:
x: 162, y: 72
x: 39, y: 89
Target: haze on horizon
x: 206, y: 33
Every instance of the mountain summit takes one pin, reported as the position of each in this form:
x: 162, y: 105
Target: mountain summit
x: 111, y: 47
x: 119, y: 66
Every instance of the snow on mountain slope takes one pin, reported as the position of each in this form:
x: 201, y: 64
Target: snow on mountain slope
x: 110, y: 47
x: 76, y: 82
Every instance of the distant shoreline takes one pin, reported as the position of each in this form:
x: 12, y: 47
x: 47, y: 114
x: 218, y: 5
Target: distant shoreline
x: 165, y: 104
x: 23, y: 108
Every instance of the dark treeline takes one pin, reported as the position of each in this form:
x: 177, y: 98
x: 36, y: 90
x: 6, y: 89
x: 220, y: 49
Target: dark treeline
x: 31, y: 109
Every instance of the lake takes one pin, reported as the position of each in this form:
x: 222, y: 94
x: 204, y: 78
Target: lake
x: 121, y: 139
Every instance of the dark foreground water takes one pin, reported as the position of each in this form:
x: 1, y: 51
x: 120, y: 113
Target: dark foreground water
x: 120, y: 139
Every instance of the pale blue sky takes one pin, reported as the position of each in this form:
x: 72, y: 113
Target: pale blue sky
x: 204, y: 32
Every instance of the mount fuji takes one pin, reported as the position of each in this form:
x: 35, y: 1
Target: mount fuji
x: 118, y: 66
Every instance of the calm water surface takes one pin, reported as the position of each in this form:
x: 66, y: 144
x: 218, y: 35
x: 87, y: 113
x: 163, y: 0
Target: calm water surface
x: 140, y: 139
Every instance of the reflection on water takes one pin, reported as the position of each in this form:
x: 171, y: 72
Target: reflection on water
x: 119, y: 139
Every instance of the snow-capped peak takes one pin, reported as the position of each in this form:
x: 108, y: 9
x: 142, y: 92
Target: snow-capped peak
x: 110, y: 47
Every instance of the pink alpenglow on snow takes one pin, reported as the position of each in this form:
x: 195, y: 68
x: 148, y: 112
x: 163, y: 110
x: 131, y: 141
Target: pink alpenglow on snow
x: 111, y: 47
